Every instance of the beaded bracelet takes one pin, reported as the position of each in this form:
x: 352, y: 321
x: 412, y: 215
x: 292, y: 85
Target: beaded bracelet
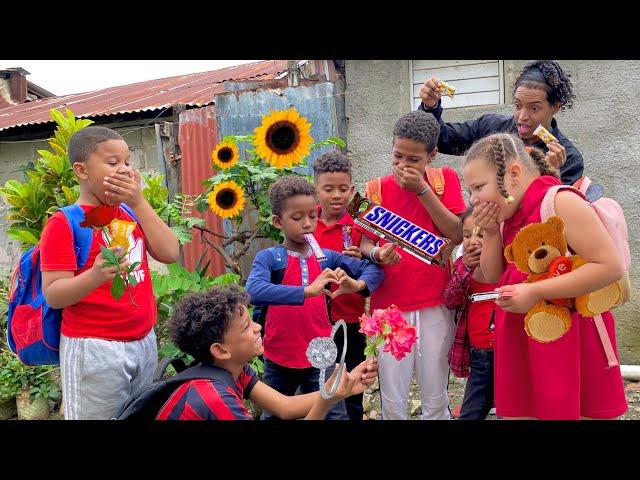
x: 426, y: 189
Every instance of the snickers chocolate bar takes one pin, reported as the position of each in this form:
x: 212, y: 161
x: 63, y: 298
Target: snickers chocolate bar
x: 412, y: 238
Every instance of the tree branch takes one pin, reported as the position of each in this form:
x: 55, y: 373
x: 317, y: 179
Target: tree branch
x: 247, y: 244
x: 228, y: 261
x: 205, y: 229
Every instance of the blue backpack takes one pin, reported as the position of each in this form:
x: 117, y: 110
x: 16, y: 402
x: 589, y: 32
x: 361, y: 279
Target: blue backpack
x: 33, y: 327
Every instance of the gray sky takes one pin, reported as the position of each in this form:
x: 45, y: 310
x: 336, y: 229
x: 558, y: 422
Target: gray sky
x: 63, y: 77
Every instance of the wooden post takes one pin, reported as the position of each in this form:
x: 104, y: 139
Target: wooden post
x: 293, y: 79
x: 172, y: 157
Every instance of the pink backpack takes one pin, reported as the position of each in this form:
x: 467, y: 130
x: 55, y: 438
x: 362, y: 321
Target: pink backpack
x: 612, y: 217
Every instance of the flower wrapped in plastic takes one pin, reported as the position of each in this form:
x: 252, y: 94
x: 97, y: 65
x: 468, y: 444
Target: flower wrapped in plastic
x: 389, y: 328
x: 116, y: 233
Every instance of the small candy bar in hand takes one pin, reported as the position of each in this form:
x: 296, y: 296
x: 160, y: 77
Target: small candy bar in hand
x: 315, y: 247
x: 446, y: 89
x: 484, y: 296
x: 544, y: 134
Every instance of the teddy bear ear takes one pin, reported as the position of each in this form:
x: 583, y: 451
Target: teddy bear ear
x: 556, y: 222
x: 508, y: 253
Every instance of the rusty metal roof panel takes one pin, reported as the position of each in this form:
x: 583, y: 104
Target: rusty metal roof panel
x: 197, y: 138
x: 195, y: 89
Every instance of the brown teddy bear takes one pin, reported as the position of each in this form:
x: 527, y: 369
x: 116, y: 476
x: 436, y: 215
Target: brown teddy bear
x: 540, y: 250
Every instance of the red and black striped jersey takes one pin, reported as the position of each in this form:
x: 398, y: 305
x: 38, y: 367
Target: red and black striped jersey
x: 217, y: 399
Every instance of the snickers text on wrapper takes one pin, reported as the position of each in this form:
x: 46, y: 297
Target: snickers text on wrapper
x: 412, y: 238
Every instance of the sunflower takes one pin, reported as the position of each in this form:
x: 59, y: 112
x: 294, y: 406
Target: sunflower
x: 226, y: 200
x: 225, y: 155
x: 283, y: 138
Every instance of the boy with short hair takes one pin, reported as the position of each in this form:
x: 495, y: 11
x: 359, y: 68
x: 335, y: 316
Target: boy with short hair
x: 297, y: 311
x: 412, y: 285
x: 107, y: 346
x: 334, y: 187
x: 216, y: 329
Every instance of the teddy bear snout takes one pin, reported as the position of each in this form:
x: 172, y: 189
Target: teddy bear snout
x: 540, y: 253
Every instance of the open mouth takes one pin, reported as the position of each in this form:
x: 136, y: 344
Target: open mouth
x: 524, y: 129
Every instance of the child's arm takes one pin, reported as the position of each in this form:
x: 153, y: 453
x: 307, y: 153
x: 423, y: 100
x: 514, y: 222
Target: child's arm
x: 160, y: 240
x: 455, y: 293
x: 62, y: 288
x: 445, y: 220
x: 485, y: 216
x: 588, y: 238
x: 311, y: 405
x: 263, y: 292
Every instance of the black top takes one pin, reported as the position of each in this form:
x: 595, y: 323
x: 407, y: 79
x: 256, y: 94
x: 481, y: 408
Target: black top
x: 456, y: 138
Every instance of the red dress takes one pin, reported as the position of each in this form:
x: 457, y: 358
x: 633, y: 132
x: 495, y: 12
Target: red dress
x: 560, y: 380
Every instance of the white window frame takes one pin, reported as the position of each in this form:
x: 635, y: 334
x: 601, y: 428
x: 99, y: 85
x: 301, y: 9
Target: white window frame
x: 501, y: 80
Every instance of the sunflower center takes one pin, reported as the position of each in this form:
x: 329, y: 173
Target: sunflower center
x: 283, y: 137
x: 225, y: 155
x: 226, y: 198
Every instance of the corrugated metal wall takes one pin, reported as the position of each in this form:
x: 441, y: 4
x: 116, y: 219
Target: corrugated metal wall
x: 197, y: 138
x: 240, y: 112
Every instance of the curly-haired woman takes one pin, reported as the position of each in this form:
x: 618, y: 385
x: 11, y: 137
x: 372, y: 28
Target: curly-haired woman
x: 541, y: 90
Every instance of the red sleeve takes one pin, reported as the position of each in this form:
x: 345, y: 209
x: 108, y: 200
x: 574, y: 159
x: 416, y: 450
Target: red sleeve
x: 456, y: 291
x: 452, y: 197
x: 247, y: 380
x: 56, y: 245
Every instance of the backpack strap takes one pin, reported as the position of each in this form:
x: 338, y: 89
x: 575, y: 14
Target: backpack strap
x: 435, y: 177
x: 548, y: 205
x: 81, y: 236
x: 612, y: 361
x: 373, y: 190
x: 177, y: 363
x: 582, y: 184
x: 128, y: 209
x: 280, y: 258
x: 207, y: 372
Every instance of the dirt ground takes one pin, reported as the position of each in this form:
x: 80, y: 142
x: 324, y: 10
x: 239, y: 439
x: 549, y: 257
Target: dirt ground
x: 372, y: 410
x: 456, y: 393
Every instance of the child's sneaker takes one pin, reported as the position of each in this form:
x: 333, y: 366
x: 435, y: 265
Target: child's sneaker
x: 492, y: 411
x: 455, y: 413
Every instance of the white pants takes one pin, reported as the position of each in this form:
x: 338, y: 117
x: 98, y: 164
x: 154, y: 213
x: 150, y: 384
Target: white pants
x: 435, y: 328
x: 99, y: 375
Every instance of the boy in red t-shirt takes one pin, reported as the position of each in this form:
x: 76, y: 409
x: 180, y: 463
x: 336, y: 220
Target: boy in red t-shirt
x: 412, y: 285
x: 107, y: 347
x: 332, y: 179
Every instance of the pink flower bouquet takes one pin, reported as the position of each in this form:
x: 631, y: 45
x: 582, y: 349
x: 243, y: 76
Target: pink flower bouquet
x: 388, y: 326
